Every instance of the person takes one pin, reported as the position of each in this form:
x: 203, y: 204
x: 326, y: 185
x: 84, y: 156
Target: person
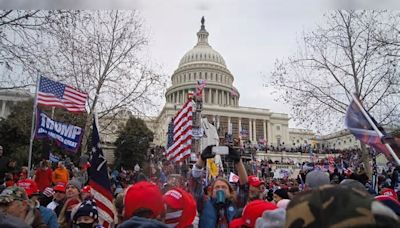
x: 59, y: 199
x: 251, y: 212
x: 72, y: 200
x: 29, y: 185
x: 86, y: 193
x: 9, y: 221
x: 219, y: 208
x: 280, y: 194
x: 86, y: 215
x: 43, y: 176
x: 338, y: 206
x: 180, y: 208
x: 49, y: 216
x: 140, y: 208
x: 60, y: 175
x: 256, y: 188
x: 316, y: 178
x: 14, y: 201
x: 3, y: 163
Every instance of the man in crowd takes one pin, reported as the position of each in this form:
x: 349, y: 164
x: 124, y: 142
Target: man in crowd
x: 223, y: 204
x: 3, y: 163
x: 43, y: 176
x: 143, y: 204
x: 59, y: 199
x: 14, y: 201
x: 256, y: 188
x: 60, y: 175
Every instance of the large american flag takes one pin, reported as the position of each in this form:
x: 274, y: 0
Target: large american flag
x: 100, y: 183
x: 52, y: 93
x: 182, y: 134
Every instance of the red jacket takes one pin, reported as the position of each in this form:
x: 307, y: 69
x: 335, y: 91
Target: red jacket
x: 43, y: 178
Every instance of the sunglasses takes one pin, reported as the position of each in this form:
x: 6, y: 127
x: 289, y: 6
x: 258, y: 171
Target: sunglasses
x: 59, y: 192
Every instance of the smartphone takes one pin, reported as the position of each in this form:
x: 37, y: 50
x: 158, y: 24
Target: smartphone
x: 221, y: 150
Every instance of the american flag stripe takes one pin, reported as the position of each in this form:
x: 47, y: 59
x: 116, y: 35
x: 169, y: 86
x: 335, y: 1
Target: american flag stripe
x: 182, y: 112
x: 180, y: 149
x: 182, y: 134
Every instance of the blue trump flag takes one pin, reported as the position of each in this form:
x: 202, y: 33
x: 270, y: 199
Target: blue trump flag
x: 67, y: 136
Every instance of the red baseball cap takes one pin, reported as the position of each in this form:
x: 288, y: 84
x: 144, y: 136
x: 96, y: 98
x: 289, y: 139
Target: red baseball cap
x: 254, y: 210
x: 59, y: 188
x: 143, y: 195
x: 184, y: 205
x: 389, y: 192
x: 86, y: 189
x: 29, y: 185
x: 255, y: 181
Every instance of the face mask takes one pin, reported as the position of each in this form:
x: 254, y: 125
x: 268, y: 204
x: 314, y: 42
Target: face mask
x: 85, y: 225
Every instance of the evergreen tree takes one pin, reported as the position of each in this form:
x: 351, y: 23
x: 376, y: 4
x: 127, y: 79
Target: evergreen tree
x: 132, y: 143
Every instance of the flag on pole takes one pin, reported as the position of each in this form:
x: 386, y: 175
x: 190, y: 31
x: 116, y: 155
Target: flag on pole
x: 52, y: 93
x: 233, y: 178
x: 234, y: 92
x: 99, y: 181
x: 364, y: 127
x: 182, y: 134
x: 200, y: 86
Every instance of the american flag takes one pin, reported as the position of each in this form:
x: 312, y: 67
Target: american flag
x: 200, y: 86
x: 52, y: 93
x: 182, y: 134
x: 99, y: 181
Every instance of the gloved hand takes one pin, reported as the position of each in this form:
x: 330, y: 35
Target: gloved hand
x: 233, y: 155
x: 207, y: 153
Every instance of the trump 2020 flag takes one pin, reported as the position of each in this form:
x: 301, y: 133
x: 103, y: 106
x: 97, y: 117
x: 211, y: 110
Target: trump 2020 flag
x: 55, y: 94
x: 99, y: 181
x: 357, y: 122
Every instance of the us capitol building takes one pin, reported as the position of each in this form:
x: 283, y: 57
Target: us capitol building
x: 220, y: 98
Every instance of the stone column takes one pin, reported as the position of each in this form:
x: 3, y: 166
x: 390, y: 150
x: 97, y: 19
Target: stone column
x: 255, y: 130
x: 3, y: 108
x: 217, y: 96
x: 239, y: 125
x: 229, y: 124
x: 250, y: 130
x: 209, y: 96
x: 269, y: 134
x: 265, y: 130
x: 203, y: 95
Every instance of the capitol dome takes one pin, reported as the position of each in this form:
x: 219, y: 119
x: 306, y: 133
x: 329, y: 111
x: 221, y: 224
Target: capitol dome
x: 202, y: 62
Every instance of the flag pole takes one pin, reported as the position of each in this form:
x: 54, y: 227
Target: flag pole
x: 33, y: 126
x: 376, y: 129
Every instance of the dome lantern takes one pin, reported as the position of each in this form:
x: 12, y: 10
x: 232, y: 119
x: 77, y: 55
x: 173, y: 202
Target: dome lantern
x: 202, y: 35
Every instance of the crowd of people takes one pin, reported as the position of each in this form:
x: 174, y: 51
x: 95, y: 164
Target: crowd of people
x: 164, y: 194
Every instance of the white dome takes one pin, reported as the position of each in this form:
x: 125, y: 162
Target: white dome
x: 202, y: 52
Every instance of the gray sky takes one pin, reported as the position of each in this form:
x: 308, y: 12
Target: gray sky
x: 250, y: 35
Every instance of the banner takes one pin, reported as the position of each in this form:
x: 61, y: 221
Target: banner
x: 67, y: 136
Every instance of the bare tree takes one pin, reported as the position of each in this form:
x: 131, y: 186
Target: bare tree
x: 100, y: 53
x: 19, y: 31
x: 342, y: 57
x: 339, y: 58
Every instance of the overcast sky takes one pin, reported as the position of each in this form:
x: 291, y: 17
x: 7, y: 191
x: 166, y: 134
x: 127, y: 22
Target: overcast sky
x: 250, y: 35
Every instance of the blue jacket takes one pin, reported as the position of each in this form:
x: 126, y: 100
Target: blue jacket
x: 209, y: 215
x: 49, y: 217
